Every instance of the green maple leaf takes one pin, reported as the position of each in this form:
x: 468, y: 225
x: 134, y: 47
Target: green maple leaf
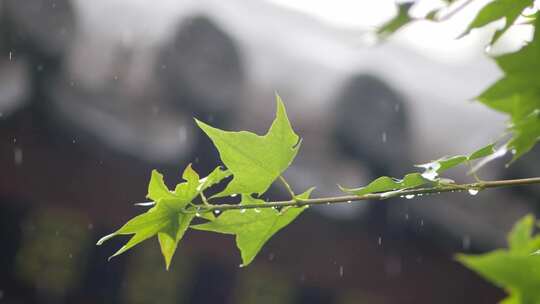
x: 166, y: 219
x: 515, y: 269
x: 253, y: 227
x: 255, y: 161
x: 496, y: 10
x: 518, y: 95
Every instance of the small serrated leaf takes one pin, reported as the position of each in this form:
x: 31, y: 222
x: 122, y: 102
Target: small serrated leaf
x: 165, y: 219
x: 482, y: 152
x: 385, y: 183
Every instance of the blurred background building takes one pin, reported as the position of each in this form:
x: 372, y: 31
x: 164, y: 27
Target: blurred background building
x: 94, y: 94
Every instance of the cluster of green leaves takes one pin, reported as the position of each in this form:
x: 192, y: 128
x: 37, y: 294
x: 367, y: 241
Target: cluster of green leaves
x: 516, y: 269
x: 254, y: 162
x: 517, y: 93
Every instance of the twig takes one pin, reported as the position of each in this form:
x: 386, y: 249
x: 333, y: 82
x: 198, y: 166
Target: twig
x: 377, y: 196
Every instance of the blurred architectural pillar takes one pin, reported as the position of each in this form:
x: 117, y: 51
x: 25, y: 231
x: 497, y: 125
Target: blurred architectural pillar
x: 371, y: 126
x: 202, y: 67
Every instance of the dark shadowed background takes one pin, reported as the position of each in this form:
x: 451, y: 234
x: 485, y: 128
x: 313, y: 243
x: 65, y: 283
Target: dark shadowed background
x: 95, y: 94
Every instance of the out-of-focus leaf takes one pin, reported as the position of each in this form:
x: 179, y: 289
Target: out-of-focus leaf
x: 515, y: 269
x: 496, y: 10
x: 401, y: 19
x: 253, y: 227
x: 518, y: 95
x: 255, y: 161
x: 385, y: 184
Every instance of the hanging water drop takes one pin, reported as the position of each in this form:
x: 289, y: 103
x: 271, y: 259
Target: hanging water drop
x: 349, y: 202
x: 473, y: 191
x: 257, y: 210
x: 197, y: 214
x: 242, y: 210
x: 216, y: 212
x: 409, y: 196
x: 234, y: 195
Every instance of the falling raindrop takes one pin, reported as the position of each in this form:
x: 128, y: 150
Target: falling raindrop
x: 379, y: 241
x: 18, y: 156
x: 409, y: 196
x: 10, y: 56
x: 422, y: 223
x: 383, y: 137
x: 1, y: 294
x: 473, y: 191
x: 406, y: 216
x: 341, y: 271
x: 90, y: 226
x: 182, y: 134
